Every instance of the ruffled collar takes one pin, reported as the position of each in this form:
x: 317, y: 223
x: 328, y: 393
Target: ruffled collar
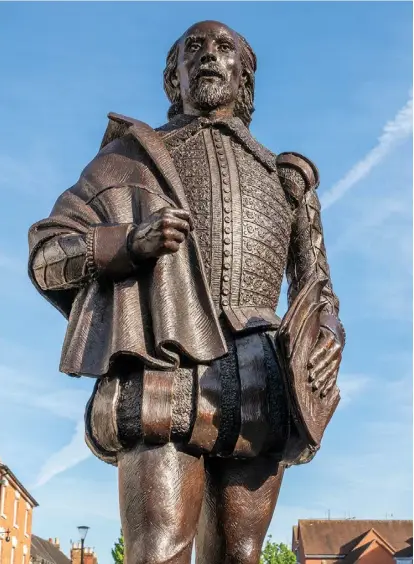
x: 182, y: 127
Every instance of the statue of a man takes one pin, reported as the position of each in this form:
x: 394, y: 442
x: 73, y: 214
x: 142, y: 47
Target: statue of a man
x: 167, y: 258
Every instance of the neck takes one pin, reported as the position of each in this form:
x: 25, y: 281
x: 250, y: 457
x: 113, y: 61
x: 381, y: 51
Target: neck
x: 217, y: 113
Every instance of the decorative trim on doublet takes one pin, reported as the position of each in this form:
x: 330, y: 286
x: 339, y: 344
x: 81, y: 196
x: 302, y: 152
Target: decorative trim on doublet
x: 237, y: 220
x: 216, y: 245
x: 182, y: 127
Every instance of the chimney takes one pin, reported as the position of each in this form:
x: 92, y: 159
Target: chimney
x: 89, y: 556
x: 55, y: 542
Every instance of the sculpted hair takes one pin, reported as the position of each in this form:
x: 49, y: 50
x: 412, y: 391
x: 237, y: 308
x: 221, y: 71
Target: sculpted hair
x: 244, y: 107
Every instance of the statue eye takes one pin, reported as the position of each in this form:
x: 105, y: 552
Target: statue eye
x: 193, y: 47
x: 225, y: 47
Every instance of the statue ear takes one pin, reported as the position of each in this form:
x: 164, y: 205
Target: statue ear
x: 174, y: 80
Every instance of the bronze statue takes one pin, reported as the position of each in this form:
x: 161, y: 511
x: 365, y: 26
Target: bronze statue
x: 167, y: 258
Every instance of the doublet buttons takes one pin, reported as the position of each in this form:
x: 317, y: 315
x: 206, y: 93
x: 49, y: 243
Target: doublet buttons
x: 227, y: 218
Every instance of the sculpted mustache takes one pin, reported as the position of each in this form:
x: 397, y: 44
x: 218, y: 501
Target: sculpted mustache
x: 215, y: 70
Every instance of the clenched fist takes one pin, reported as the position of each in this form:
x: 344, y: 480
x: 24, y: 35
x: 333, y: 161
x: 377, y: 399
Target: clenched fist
x: 161, y: 234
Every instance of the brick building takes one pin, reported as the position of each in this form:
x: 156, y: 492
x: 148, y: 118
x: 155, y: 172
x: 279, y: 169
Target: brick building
x: 89, y: 556
x: 351, y: 541
x: 48, y: 552
x: 17, y: 543
x: 16, y: 510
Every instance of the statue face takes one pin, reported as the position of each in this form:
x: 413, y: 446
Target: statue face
x: 209, y: 70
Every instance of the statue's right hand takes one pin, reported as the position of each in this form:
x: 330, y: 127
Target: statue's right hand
x: 162, y: 233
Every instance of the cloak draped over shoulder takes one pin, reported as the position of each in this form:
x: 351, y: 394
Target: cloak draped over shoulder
x: 163, y: 314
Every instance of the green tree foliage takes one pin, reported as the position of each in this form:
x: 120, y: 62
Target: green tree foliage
x: 274, y: 553
x: 118, y: 550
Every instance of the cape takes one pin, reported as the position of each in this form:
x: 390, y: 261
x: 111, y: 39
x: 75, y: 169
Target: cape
x: 164, y: 315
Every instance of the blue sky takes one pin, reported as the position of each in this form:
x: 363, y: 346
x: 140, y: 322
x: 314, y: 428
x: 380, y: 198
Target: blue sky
x: 334, y: 83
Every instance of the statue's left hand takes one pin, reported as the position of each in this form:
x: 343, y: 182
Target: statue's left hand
x: 324, y: 361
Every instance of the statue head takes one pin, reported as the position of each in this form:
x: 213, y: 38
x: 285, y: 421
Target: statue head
x: 210, y: 69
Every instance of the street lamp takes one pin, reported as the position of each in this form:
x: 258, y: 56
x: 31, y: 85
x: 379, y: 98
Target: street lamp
x: 83, y: 531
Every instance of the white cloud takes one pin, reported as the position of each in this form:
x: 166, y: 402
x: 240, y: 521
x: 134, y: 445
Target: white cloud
x: 96, y: 495
x: 27, y: 389
x: 69, y: 404
x: 393, y: 132
x: 20, y: 389
x: 367, y: 471
x: 365, y: 228
x: 351, y: 387
x: 374, y: 463
x: 70, y: 455
x: 11, y: 264
x: 32, y: 173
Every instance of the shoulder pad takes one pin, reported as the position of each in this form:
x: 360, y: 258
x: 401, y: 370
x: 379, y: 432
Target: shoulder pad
x: 117, y: 127
x: 307, y: 170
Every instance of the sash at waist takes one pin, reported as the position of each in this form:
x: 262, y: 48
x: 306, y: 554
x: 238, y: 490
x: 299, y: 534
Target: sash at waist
x: 246, y: 319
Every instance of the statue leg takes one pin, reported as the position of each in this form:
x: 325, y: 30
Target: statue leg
x: 240, y: 498
x: 161, y: 491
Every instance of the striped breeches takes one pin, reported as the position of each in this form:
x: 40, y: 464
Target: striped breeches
x: 235, y: 407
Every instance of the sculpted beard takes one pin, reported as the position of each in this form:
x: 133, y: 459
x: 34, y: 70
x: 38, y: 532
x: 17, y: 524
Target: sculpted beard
x: 207, y: 94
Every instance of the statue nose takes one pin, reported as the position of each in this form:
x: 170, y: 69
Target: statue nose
x: 208, y: 58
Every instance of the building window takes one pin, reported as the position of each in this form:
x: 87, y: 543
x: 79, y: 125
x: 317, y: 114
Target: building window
x: 26, y: 518
x: 16, y: 510
x: 3, y: 486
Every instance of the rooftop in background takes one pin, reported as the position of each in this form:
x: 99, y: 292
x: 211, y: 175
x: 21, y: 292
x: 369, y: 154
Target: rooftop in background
x: 5, y: 472
x: 351, y: 538
x: 47, y: 553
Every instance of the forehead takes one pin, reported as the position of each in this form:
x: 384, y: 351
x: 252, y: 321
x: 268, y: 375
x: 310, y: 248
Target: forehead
x: 209, y: 29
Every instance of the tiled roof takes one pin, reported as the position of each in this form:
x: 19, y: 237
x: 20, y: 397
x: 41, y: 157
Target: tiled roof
x: 295, y: 537
x: 353, y: 556
x: 373, y: 541
x: 6, y: 472
x: 339, y: 537
x: 405, y: 552
x: 46, y: 553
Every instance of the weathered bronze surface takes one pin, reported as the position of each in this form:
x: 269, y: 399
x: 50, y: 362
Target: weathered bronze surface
x: 167, y: 258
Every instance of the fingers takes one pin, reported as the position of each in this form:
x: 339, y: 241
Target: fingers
x: 177, y: 217
x: 326, y: 379
x: 170, y: 247
x: 173, y: 235
x: 182, y: 214
x: 171, y: 241
x: 329, y: 383
x: 325, y: 342
x: 176, y: 224
x: 330, y: 355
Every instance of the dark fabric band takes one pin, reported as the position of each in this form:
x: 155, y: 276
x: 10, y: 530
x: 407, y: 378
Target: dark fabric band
x: 107, y: 250
x: 333, y: 324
